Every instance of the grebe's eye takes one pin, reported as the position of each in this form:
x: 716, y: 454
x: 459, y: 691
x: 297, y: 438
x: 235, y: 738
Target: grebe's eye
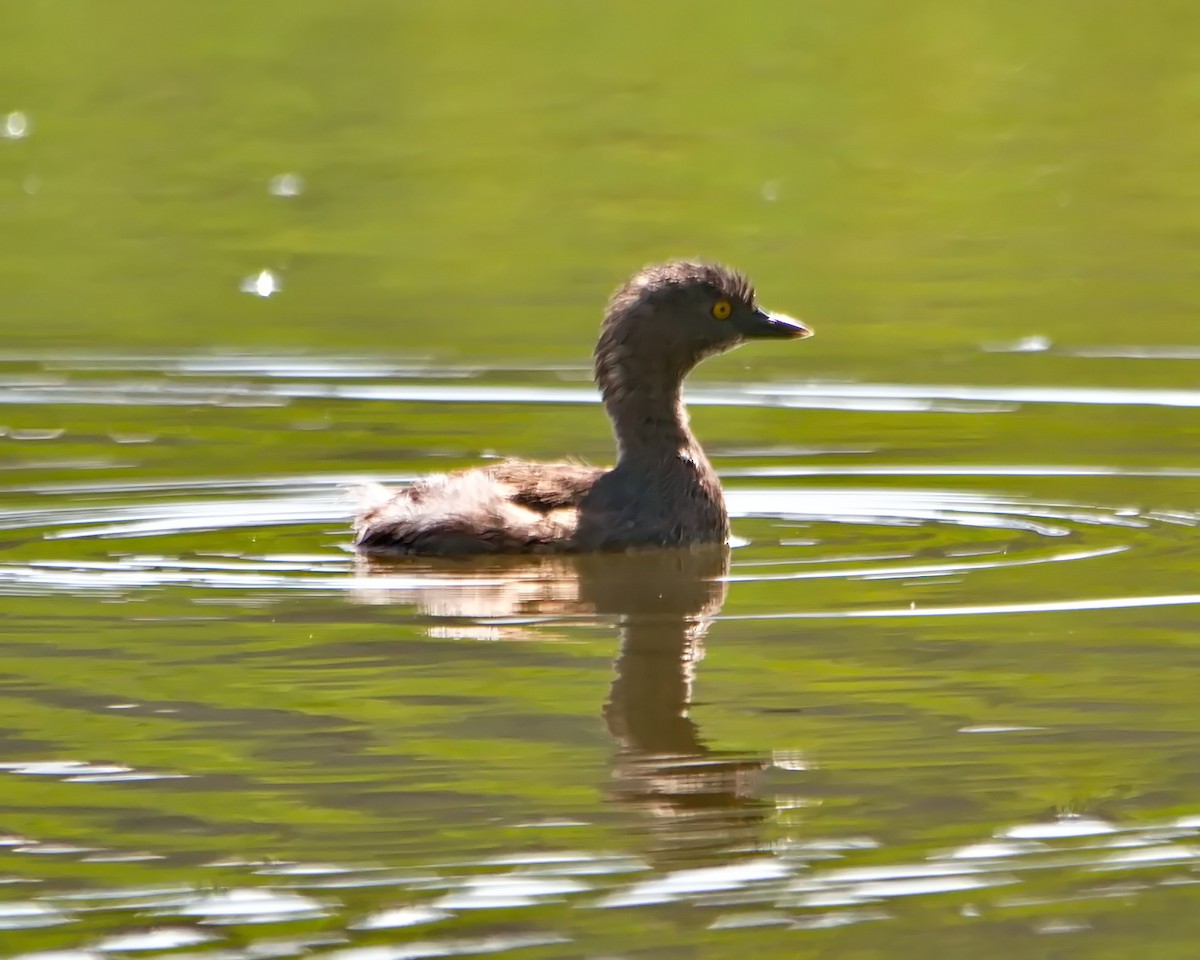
x: 722, y: 309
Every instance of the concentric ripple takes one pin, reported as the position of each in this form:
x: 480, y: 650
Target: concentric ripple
x: 803, y: 519
x: 135, y: 536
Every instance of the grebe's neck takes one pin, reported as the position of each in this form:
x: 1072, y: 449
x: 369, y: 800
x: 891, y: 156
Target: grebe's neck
x: 650, y: 422
x: 643, y: 396
x: 662, y: 491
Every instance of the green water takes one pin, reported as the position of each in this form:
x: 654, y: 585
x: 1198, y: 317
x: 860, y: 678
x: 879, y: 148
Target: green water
x: 940, y: 696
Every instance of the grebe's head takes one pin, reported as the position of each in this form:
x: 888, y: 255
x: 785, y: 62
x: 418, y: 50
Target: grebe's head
x: 668, y: 317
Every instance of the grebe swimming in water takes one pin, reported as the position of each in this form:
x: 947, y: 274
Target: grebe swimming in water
x: 662, y: 492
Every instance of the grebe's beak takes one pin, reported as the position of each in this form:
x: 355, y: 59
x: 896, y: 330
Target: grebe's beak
x: 762, y: 324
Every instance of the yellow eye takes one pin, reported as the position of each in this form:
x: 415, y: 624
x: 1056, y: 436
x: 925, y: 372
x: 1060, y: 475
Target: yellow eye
x: 722, y: 309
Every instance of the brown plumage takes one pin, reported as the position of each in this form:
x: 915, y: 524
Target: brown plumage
x: 662, y: 493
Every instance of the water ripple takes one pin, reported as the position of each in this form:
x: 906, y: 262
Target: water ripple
x: 118, y: 537
x: 74, y: 380
x: 148, y: 512
x: 800, y: 884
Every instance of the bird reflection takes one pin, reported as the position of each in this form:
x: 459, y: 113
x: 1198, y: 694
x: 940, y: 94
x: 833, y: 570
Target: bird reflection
x: 664, y: 602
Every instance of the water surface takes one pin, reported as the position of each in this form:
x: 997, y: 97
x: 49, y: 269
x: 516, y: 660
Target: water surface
x: 939, y: 695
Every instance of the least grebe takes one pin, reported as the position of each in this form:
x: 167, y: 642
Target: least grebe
x: 662, y: 492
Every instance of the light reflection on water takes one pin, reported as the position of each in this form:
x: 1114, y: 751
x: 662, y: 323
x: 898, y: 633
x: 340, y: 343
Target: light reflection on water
x: 939, y: 699
x: 308, y: 501
x: 822, y: 396
x: 796, y: 885
x: 729, y: 832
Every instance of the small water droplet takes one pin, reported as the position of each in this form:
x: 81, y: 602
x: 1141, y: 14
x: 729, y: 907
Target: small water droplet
x: 16, y: 126
x: 265, y: 283
x: 286, y: 185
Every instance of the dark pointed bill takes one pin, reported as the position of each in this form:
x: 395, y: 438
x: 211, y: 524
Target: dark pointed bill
x: 765, y: 324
